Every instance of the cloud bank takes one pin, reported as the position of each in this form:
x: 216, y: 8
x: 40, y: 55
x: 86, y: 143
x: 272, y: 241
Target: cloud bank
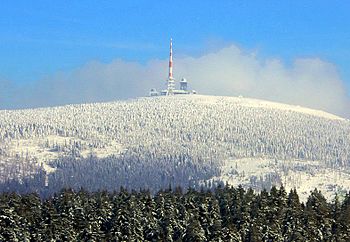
x: 230, y: 71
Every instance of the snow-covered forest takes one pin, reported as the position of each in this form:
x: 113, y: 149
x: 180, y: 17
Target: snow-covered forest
x: 154, y: 142
x: 224, y: 214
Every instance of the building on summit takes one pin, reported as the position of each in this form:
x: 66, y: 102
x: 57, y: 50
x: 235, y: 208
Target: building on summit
x: 171, y: 90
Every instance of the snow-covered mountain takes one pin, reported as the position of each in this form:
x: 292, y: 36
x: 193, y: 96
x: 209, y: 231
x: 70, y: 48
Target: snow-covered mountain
x: 181, y: 140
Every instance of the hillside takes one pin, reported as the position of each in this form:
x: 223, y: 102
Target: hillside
x: 181, y: 140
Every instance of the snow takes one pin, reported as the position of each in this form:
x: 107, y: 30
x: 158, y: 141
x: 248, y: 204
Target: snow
x: 250, y: 102
x: 38, y: 149
x: 205, y: 130
x: 286, y: 107
x: 299, y: 174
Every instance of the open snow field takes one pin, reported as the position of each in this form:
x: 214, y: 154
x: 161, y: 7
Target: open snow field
x: 303, y: 175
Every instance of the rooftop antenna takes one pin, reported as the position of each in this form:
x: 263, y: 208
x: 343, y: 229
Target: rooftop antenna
x: 171, y: 80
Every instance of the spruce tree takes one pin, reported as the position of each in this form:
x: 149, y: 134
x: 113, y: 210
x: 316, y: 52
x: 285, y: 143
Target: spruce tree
x: 344, y: 217
x: 318, y: 217
x: 292, y: 221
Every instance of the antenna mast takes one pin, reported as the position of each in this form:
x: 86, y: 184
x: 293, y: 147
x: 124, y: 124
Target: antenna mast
x: 171, y: 80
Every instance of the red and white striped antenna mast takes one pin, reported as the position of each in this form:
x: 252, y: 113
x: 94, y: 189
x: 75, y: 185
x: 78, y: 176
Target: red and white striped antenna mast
x: 171, y: 60
x: 171, y: 80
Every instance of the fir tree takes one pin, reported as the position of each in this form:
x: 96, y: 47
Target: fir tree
x: 318, y: 217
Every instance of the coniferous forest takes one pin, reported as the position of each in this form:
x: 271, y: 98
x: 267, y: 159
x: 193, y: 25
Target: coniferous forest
x: 222, y: 214
x: 184, y: 140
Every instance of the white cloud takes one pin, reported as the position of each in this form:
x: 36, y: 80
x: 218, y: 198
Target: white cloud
x: 309, y: 82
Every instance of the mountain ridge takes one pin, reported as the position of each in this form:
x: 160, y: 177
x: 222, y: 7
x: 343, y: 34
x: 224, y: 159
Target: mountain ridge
x: 189, y: 137
x: 252, y: 102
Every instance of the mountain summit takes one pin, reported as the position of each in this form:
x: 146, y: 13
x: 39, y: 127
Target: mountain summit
x: 191, y: 140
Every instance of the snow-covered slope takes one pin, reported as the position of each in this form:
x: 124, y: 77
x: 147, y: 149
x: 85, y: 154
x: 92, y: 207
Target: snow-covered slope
x: 203, y: 134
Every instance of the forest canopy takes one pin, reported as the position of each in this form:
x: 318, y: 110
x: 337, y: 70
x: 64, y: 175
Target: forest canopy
x: 222, y: 214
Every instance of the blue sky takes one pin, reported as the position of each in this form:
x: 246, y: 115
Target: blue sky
x: 40, y: 38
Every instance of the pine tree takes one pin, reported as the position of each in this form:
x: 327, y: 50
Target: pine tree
x: 292, y: 222
x: 262, y: 223
x: 344, y: 217
x: 194, y: 231
x: 336, y: 225
x: 12, y: 226
x: 182, y: 219
x: 31, y: 211
x: 135, y: 218
x: 104, y: 213
x: 120, y: 220
x: 151, y: 231
x: 318, y: 217
x: 215, y: 221
x: 277, y: 205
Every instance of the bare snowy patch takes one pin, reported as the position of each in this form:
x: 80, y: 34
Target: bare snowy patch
x: 305, y: 176
x: 43, y: 150
x: 250, y: 102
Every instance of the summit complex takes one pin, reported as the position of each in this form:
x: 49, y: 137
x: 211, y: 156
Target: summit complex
x: 170, y: 82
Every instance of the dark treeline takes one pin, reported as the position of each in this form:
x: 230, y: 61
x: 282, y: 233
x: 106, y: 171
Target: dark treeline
x: 130, y: 172
x: 224, y: 214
